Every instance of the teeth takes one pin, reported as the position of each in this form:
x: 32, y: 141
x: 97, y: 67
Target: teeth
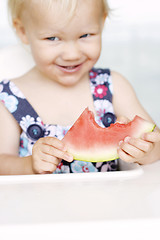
x: 70, y: 67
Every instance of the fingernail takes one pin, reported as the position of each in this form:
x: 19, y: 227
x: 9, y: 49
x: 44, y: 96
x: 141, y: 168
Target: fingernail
x: 127, y: 139
x: 143, y: 136
x: 64, y: 148
x: 69, y: 158
x: 120, y: 142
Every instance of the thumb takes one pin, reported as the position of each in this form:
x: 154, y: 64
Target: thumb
x: 122, y: 120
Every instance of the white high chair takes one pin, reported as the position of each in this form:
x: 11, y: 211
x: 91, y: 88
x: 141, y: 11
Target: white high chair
x: 15, y: 60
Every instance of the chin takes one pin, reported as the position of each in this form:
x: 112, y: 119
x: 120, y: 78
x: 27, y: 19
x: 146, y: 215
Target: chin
x: 68, y: 82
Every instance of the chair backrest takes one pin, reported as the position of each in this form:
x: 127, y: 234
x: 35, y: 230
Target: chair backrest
x: 15, y: 61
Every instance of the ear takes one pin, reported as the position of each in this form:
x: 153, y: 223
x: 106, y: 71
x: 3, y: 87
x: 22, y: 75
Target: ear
x: 20, y: 30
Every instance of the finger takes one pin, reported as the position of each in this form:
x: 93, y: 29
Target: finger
x: 53, y: 142
x: 131, y: 150
x: 50, y: 150
x: 122, y: 120
x: 140, y: 144
x: 125, y: 156
x: 152, y: 136
x: 56, y: 148
x: 45, y: 167
x: 51, y: 159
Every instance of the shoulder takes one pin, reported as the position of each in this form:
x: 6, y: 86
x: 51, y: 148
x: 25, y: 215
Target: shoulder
x: 125, y: 101
x: 7, y: 118
x: 122, y: 87
x: 120, y: 81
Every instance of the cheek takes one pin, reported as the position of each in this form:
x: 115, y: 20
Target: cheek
x: 41, y: 55
x: 97, y: 51
x: 94, y: 49
x: 94, y: 53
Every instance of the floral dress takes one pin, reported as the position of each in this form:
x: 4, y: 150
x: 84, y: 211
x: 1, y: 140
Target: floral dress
x: 33, y: 127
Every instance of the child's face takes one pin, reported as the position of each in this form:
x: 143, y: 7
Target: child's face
x: 65, y: 50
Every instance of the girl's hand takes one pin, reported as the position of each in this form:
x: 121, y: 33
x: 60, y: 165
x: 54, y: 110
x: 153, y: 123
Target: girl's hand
x: 47, y: 153
x: 138, y: 149
x: 134, y: 149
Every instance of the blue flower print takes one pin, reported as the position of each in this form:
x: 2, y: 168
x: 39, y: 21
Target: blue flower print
x: 102, y: 107
x: 23, y: 150
x: 10, y: 101
x: 15, y: 90
x: 81, y: 167
x: 61, y: 131
x: 61, y: 168
x: 101, y: 79
x: 26, y: 122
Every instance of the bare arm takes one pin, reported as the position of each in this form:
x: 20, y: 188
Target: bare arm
x: 12, y: 165
x: 10, y: 162
x: 125, y: 102
x: 46, y: 155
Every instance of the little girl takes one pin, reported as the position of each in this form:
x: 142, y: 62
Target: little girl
x: 38, y: 108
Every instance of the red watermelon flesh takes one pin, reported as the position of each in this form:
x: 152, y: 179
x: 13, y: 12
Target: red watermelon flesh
x: 87, y: 141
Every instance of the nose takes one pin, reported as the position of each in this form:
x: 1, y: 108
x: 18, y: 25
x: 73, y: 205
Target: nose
x: 71, y: 51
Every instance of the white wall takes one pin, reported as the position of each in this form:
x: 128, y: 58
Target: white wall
x: 125, y: 13
x: 7, y: 36
x: 137, y: 11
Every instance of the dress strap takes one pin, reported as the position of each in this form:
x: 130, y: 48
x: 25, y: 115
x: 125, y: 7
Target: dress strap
x: 19, y: 107
x: 102, y: 92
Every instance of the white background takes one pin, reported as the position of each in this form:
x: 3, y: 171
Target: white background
x: 131, y: 46
x: 125, y: 12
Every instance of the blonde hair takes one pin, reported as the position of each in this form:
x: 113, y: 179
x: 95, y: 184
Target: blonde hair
x: 16, y: 6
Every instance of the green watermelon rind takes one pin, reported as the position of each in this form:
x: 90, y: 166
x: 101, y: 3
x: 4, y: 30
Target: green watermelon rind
x: 111, y: 155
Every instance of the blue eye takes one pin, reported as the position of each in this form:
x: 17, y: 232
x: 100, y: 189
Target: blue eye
x: 53, y: 38
x: 85, y: 35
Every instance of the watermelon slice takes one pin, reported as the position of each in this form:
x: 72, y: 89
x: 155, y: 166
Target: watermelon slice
x: 87, y: 141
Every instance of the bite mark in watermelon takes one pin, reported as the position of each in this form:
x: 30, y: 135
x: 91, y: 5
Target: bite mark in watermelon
x: 87, y: 141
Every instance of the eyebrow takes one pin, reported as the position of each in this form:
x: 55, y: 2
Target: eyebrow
x: 55, y: 32
x: 48, y: 32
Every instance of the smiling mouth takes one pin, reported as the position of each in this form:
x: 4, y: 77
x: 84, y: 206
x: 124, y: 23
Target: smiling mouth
x: 70, y: 69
